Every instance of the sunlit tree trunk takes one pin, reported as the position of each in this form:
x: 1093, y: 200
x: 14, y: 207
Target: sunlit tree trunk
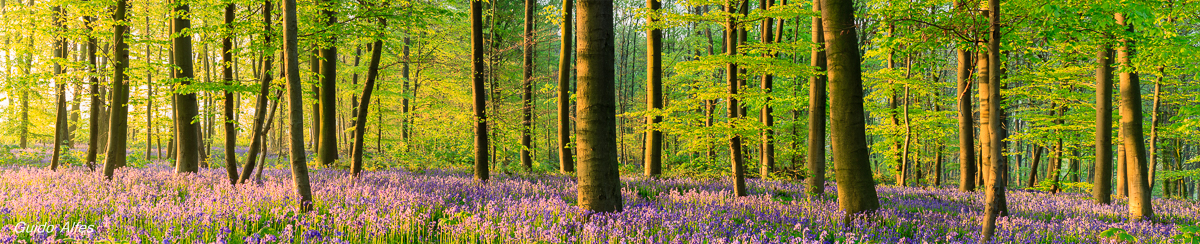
x: 731, y: 78
x: 93, y: 96
x: 1131, y: 125
x: 360, y: 126
x: 996, y: 202
x: 816, y: 108
x: 966, y: 130
x: 565, y: 160
x: 654, y: 96
x: 856, y: 187
x: 1154, y: 122
x: 477, y: 91
x: 599, y: 180
x: 295, y: 107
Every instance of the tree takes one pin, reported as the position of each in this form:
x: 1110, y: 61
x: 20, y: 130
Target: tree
x: 1131, y: 125
x: 565, y: 161
x: 188, y: 155
x: 227, y: 76
x: 478, y: 93
x: 327, y: 150
x: 731, y: 79
x: 94, y: 95
x: 966, y: 136
x: 295, y: 107
x: 816, y: 108
x: 115, y: 156
x: 599, y: 180
x: 856, y: 187
x: 768, y: 133
x: 654, y: 93
x: 996, y: 204
x: 360, y: 123
x: 527, y: 88
x: 60, y: 115
x: 257, y: 131
x: 1102, y: 181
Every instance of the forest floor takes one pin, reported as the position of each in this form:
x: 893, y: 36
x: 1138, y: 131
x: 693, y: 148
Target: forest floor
x: 151, y: 204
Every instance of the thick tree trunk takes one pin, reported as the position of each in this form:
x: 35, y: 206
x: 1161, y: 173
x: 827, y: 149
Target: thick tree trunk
x: 479, y: 94
x: 654, y: 94
x: 1102, y: 177
x: 966, y: 130
x: 856, y: 187
x: 115, y: 156
x: 295, y: 107
x: 565, y: 161
x: 731, y: 74
x: 368, y: 88
x: 257, y: 131
x: 227, y: 75
x: 327, y: 151
x: 187, y: 160
x: 599, y: 180
x: 1131, y: 125
x: 816, y: 109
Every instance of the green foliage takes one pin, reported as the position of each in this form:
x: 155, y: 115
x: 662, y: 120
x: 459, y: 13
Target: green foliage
x: 1187, y: 235
x: 1119, y: 235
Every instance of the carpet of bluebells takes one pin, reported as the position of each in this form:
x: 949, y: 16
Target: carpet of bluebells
x: 154, y: 205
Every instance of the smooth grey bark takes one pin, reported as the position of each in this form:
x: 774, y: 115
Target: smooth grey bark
x: 856, y: 186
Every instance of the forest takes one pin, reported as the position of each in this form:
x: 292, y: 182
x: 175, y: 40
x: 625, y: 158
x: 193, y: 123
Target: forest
x: 599, y: 121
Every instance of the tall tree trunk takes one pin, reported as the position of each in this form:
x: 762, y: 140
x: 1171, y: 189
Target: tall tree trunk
x: 816, y: 108
x: 60, y: 117
x: 1131, y: 125
x: 983, y: 70
x: 295, y: 107
x: 327, y: 151
x: 654, y: 94
x: 731, y: 78
x: 257, y: 131
x: 115, y: 156
x: 527, y: 88
x: 565, y: 161
x: 904, y: 162
x: 94, y: 106
x: 1102, y: 181
x: 479, y: 94
x: 149, y: 94
x: 361, y: 122
x: 599, y: 180
x: 856, y: 187
x: 314, y: 64
x: 188, y: 157
x: 768, y: 122
x: 966, y: 131
x: 227, y: 74
x: 1152, y: 159
x: 996, y: 202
